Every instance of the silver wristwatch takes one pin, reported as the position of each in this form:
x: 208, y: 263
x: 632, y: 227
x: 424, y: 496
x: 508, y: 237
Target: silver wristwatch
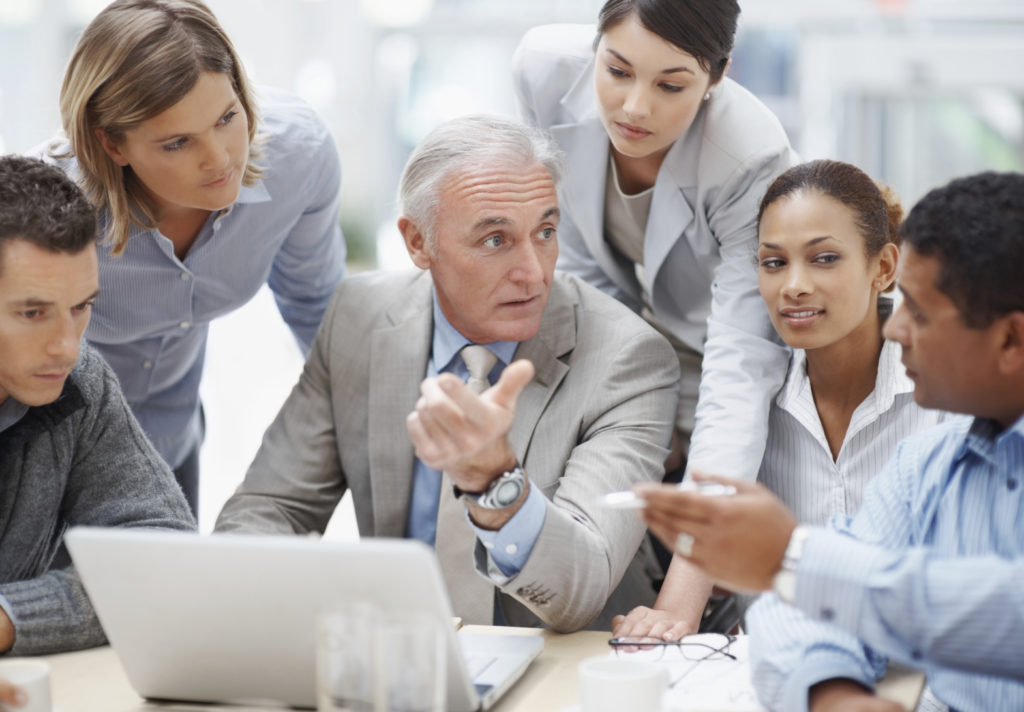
x: 504, y: 490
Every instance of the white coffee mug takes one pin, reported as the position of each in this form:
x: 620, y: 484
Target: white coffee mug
x: 33, y: 677
x: 616, y: 684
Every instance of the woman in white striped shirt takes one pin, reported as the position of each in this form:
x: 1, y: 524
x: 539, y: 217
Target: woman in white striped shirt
x: 827, y: 254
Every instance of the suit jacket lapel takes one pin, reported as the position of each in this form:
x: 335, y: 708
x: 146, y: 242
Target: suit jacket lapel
x: 556, y: 337
x: 670, y: 214
x: 399, y: 352
x: 585, y: 144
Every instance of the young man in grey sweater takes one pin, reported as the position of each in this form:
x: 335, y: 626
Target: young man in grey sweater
x: 70, y: 451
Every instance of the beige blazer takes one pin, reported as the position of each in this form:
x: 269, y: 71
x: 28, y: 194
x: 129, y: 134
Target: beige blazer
x: 596, y: 418
x: 701, y: 237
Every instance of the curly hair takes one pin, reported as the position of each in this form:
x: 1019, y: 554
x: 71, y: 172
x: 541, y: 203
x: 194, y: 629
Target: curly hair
x: 40, y: 204
x: 974, y: 226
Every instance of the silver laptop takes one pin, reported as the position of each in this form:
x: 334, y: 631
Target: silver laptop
x: 231, y: 618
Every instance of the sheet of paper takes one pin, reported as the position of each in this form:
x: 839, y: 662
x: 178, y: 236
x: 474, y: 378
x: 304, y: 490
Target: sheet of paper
x: 717, y: 685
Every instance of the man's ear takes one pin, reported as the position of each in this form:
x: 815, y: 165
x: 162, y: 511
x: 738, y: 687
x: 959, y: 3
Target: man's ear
x: 110, y: 148
x: 415, y: 242
x: 1011, y: 355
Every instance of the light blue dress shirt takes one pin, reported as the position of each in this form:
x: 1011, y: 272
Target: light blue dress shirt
x: 151, y: 317
x: 510, y: 546
x: 930, y: 573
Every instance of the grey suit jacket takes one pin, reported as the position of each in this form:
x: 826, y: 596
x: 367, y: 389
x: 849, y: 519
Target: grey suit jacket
x: 596, y: 418
x: 701, y: 236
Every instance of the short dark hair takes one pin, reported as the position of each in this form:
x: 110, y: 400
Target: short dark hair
x: 40, y: 204
x: 876, y: 209
x: 704, y: 28
x: 974, y: 226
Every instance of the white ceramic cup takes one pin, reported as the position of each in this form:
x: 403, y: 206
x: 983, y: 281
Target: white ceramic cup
x: 616, y: 684
x: 33, y: 677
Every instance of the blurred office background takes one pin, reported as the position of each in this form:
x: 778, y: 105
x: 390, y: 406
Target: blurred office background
x: 913, y: 91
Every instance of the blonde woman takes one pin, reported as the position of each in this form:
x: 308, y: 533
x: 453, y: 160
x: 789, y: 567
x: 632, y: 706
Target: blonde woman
x: 205, y: 192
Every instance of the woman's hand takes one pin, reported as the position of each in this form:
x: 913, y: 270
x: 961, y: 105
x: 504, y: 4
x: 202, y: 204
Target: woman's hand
x: 651, y: 623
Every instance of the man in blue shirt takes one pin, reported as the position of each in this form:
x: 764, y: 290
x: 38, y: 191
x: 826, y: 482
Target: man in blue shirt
x: 929, y: 572
x: 502, y: 479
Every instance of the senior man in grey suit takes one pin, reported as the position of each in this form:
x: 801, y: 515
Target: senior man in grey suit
x: 503, y: 478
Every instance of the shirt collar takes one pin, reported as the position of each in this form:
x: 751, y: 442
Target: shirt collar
x: 11, y: 411
x: 447, y: 342
x: 985, y: 436
x: 256, y: 193
x: 796, y: 381
x: 890, y: 381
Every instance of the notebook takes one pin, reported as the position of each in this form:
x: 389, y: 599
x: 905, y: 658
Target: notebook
x: 231, y: 618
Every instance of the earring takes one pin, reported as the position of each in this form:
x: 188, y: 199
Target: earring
x: 707, y: 96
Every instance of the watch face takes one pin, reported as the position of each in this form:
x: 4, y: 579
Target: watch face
x: 507, y: 493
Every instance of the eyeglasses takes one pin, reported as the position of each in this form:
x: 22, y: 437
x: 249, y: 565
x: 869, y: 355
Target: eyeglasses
x: 711, y: 646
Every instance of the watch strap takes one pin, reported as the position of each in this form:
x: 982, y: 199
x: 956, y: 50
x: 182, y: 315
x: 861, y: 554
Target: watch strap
x: 784, y: 583
x: 489, y: 498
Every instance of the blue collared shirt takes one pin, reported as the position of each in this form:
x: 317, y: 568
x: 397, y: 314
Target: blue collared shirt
x: 510, y: 546
x: 930, y: 573
x: 151, y: 318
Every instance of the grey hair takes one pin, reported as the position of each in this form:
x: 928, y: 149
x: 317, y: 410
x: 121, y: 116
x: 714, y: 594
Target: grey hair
x: 466, y: 141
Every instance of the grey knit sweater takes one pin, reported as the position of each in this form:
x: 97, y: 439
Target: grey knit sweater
x: 79, y: 460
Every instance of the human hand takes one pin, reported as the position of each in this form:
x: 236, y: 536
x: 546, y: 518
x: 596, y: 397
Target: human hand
x: 464, y: 433
x: 651, y: 623
x: 841, y: 695
x: 11, y: 694
x: 738, y: 539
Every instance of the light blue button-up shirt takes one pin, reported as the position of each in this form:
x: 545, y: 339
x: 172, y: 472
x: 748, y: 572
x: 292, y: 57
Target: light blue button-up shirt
x: 510, y: 546
x: 151, y: 318
x: 930, y: 573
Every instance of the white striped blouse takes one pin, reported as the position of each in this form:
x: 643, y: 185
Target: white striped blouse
x: 798, y: 464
